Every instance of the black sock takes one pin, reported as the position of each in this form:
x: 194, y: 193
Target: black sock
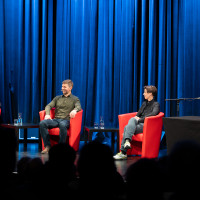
x: 124, y: 152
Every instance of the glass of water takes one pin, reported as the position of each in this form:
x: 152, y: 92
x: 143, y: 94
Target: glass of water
x: 96, y: 126
x: 20, y: 119
x: 15, y: 122
x: 101, y: 122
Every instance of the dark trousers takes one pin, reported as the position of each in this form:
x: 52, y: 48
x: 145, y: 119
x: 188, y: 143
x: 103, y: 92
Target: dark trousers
x: 62, y: 124
x: 132, y: 128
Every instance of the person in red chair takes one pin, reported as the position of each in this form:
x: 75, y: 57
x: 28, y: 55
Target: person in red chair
x: 149, y: 107
x: 66, y: 106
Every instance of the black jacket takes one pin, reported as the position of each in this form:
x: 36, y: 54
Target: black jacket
x: 148, y: 108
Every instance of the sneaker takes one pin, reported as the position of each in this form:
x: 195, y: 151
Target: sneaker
x: 127, y: 145
x: 120, y: 156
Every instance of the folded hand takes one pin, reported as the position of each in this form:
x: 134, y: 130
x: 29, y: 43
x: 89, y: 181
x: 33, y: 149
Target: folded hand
x: 72, y: 113
x: 47, y: 117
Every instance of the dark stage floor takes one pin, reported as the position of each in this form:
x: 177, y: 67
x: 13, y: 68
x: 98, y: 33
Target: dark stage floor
x: 33, y: 152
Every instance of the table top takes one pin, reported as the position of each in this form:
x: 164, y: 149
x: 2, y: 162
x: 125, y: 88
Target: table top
x: 183, y: 118
x: 24, y: 125
x: 106, y: 129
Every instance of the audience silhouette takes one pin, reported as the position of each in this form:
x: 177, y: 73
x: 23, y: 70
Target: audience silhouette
x: 92, y: 173
x: 29, y: 171
x: 98, y: 174
x: 8, y: 161
x: 59, y: 171
x: 184, y: 170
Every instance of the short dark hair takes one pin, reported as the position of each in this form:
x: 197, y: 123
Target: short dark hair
x: 151, y: 89
x: 68, y: 82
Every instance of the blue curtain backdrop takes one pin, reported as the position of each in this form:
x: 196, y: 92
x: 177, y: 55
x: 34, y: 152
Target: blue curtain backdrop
x: 110, y: 49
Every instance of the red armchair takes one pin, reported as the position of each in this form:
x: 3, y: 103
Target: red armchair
x: 146, y: 144
x: 73, y: 132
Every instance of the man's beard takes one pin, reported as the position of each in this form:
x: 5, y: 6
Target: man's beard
x: 65, y: 92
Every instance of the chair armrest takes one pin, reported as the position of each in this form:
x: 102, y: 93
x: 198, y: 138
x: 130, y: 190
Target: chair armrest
x: 74, y: 130
x: 75, y: 123
x: 151, y: 135
x: 153, y: 122
x: 42, y: 115
x: 123, y: 121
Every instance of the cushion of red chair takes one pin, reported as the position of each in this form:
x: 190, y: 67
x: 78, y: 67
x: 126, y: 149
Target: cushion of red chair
x: 138, y: 137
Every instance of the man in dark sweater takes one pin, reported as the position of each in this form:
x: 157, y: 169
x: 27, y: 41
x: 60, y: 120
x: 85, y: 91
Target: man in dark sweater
x: 66, y: 106
x: 149, y: 107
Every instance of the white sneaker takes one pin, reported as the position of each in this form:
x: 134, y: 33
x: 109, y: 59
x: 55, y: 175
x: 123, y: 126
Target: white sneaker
x: 127, y: 145
x: 120, y: 156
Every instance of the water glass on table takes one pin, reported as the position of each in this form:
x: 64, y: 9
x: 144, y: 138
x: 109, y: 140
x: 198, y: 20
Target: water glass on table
x: 96, y: 126
x: 15, y: 122
x: 20, y: 119
x: 101, y: 123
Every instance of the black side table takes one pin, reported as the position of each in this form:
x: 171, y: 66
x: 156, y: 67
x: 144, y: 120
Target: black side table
x: 88, y: 131
x: 181, y: 128
x: 23, y: 126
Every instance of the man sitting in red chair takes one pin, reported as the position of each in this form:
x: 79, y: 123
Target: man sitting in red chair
x: 149, y: 107
x: 66, y: 106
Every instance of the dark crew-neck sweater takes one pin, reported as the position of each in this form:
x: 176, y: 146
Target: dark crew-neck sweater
x: 148, y: 108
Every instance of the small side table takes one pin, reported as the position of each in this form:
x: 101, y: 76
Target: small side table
x: 23, y: 126
x: 88, y: 131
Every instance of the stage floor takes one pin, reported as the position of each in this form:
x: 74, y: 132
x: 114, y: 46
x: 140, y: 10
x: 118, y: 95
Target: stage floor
x: 34, y: 152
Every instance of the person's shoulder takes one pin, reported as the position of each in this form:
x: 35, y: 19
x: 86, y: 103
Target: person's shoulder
x: 156, y: 102
x: 57, y: 97
x: 144, y: 103
x: 74, y: 97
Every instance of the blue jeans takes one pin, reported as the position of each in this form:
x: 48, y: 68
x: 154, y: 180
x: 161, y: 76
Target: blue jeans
x: 132, y: 128
x: 62, y: 124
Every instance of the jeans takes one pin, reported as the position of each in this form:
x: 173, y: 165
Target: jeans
x: 132, y: 128
x: 62, y: 124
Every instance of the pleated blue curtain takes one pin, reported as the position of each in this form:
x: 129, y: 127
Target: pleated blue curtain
x: 188, y: 56
x: 110, y: 49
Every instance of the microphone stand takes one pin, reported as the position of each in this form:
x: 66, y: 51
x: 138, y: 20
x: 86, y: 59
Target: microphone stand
x: 178, y: 102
